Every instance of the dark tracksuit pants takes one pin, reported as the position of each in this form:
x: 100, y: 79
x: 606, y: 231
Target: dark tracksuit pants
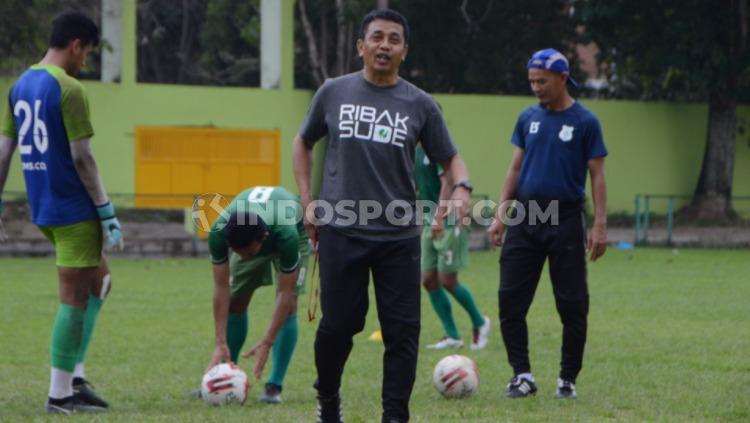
x: 523, y: 254
x: 345, y: 265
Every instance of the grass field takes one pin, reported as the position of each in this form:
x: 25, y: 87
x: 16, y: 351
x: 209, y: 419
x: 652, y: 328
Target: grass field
x: 669, y: 340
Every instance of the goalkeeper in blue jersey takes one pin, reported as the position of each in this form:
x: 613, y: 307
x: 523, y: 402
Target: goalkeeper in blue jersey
x: 47, y: 120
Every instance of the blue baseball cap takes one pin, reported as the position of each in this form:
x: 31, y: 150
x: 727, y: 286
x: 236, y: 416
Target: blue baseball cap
x: 551, y: 60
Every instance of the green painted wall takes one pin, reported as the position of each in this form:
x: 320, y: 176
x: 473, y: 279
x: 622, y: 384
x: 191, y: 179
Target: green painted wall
x: 117, y: 109
x: 654, y: 147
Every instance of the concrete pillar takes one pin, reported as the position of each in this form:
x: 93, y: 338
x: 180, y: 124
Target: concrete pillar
x: 270, y: 43
x: 112, y: 36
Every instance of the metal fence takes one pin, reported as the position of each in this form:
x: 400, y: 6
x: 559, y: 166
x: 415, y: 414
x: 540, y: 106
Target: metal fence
x: 669, y: 224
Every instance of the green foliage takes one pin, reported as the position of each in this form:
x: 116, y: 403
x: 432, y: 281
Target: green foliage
x: 666, y: 343
x: 167, y: 34
x: 230, y: 42
x: 482, y: 49
x: 199, y: 42
x: 666, y: 49
x: 24, y: 29
x: 18, y: 22
x: 327, y: 22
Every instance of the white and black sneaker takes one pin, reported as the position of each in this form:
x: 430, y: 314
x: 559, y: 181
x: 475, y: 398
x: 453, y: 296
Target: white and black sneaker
x: 446, y: 342
x: 84, y: 390
x: 329, y: 409
x: 481, y: 335
x: 520, y: 388
x: 565, y: 389
x: 271, y: 394
x: 71, y: 405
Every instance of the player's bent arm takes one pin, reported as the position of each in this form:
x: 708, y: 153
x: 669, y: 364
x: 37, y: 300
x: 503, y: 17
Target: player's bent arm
x: 597, y: 242
x: 455, y: 169
x: 302, y: 156
x: 446, y: 188
x: 598, y: 190
x: 438, y: 222
x: 510, y: 183
x: 285, y: 305
x: 85, y: 164
x: 507, y: 194
x: 7, y: 146
x: 221, y: 301
x: 303, y: 163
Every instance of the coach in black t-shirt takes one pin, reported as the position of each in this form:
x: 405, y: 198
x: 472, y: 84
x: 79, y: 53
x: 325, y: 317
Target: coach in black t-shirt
x: 557, y: 142
x: 374, y: 120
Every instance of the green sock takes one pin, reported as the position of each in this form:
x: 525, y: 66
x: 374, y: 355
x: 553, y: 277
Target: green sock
x: 89, y: 321
x: 442, y: 305
x: 66, y: 337
x: 464, y: 297
x: 283, y: 348
x: 236, y: 333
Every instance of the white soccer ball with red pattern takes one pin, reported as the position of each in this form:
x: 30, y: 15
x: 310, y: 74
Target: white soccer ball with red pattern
x: 456, y: 376
x: 225, y: 384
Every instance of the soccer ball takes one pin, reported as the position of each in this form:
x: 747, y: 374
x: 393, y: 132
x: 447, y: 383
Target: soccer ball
x: 456, y: 376
x: 224, y: 384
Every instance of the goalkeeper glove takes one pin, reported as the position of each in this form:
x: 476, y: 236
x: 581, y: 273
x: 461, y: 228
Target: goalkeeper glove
x: 110, y: 226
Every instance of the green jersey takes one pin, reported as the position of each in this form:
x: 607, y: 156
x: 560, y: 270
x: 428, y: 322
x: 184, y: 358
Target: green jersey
x: 427, y: 176
x: 280, y: 210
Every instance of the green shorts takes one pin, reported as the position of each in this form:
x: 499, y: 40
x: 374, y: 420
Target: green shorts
x: 449, y: 254
x: 248, y: 275
x: 77, y: 245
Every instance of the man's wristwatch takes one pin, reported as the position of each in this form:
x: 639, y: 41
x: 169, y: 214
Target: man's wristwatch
x: 464, y: 184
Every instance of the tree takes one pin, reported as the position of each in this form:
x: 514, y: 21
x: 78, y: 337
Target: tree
x: 199, y: 42
x: 25, y: 27
x: 326, y: 33
x: 482, y: 46
x: 230, y: 41
x: 465, y: 46
x: 692, y: 50
x: 167, y: 37
x: 18, y: 22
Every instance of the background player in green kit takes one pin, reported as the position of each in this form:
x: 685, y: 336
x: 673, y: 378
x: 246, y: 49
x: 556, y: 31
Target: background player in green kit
x: 445, y: 251
x: 47, y: 119
x: 259, y: 229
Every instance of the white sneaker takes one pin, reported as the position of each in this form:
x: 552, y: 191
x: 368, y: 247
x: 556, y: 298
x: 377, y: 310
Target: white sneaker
x: 446, y: 342
x: 271, y: 394
x: 565, y: 390
x: 481, y: 335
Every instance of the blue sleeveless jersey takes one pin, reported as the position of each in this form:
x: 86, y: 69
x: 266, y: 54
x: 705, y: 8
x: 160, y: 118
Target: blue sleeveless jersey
x: 47, y: 109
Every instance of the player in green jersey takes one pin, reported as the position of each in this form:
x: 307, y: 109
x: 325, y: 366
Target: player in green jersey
x: 445, y: 251
x: 260, y: 229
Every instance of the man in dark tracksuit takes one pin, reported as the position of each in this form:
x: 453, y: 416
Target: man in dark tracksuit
x: 374, y: 120
x: 557, y: 142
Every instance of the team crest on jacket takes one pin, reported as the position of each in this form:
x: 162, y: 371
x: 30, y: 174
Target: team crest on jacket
x: 566, y: 133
